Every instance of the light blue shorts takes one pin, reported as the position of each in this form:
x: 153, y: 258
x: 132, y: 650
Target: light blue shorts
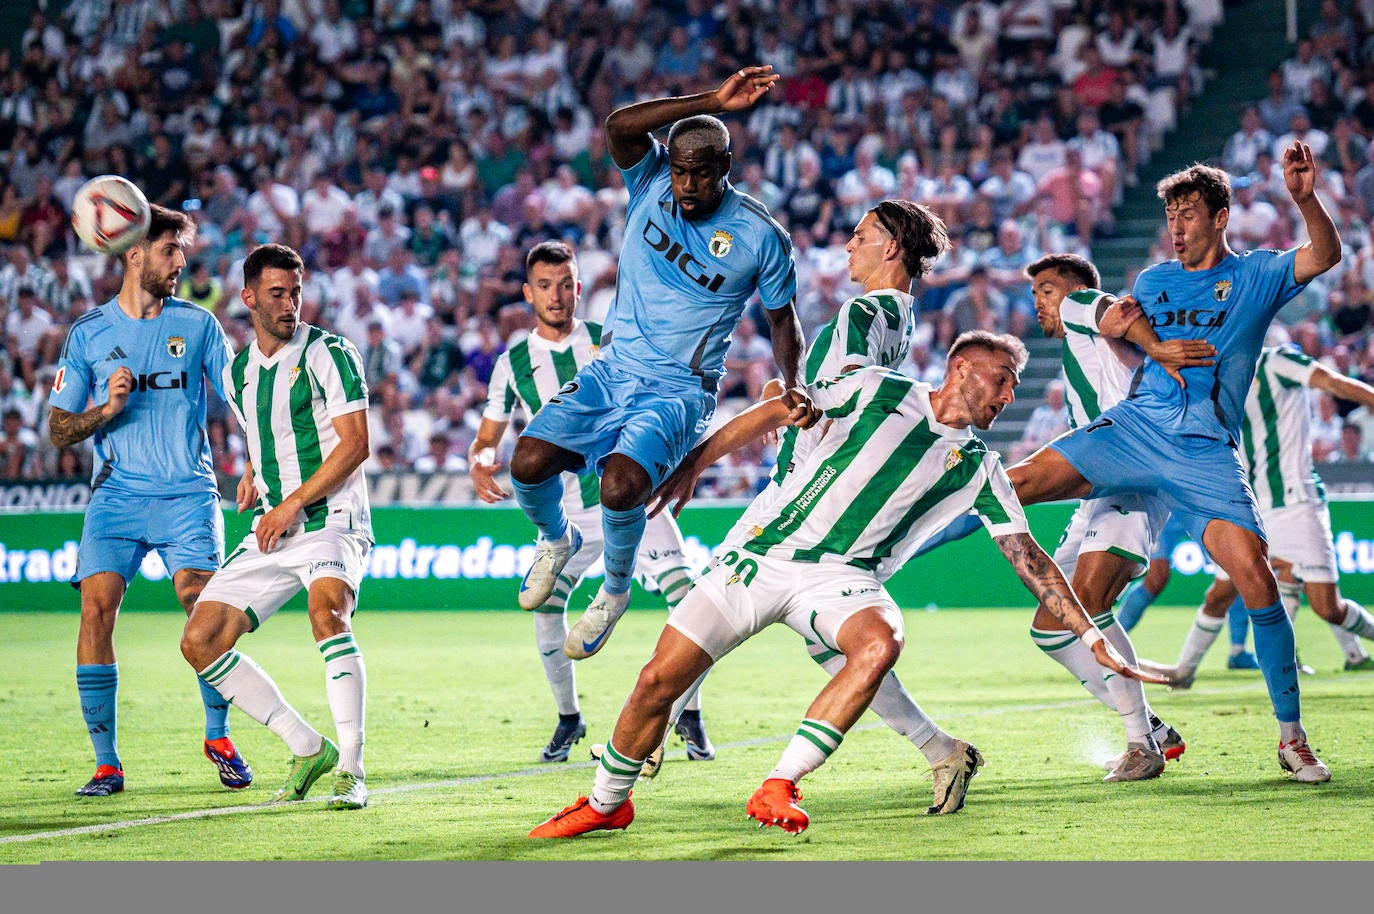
x: 119, y: 530
x: 1201, y: 479
x: 604, y: 410
x: 1173, y: 533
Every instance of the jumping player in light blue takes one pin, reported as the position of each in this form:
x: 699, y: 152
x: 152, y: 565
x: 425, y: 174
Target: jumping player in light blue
x: 142, y: 359
x: 1181, y: 442
x: 696, y: 251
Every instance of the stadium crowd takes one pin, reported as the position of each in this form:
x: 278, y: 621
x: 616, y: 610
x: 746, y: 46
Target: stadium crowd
x: 413, y: 150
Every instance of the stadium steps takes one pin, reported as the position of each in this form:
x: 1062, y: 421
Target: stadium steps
x: 1243, y: 50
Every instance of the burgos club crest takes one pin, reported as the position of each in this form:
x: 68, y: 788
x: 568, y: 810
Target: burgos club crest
x: 176, y: 346
x: 1222, y: 290
x: 721, y: 243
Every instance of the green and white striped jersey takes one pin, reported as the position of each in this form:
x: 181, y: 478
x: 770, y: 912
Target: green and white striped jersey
x: 884, y: 479
x: 1276, y: 433
x: 870, y: 329
x: 529, y: 373
x: 1097, y: 370
x: 286, y: 405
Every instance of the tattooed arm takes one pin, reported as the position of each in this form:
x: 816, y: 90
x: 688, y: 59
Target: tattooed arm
x: 1043, y: 578
x: 66, y: 429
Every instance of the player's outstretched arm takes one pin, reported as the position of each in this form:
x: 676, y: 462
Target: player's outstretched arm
x: 753, y: 423
x: 482, y: 463
x: 1323, y: 250
x: 1341, y: 387
x: 1043, y: 578
x: 353, y: 448
x: 66, y: 429
x: 628, y: 129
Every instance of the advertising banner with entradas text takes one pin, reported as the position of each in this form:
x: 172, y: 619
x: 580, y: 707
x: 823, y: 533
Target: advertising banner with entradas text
x: 474, y: 557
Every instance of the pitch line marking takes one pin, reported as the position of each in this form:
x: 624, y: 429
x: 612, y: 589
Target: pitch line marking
x: 527, y: 772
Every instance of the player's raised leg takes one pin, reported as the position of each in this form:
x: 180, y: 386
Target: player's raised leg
x: 536, y: 476
x: 625, y: 489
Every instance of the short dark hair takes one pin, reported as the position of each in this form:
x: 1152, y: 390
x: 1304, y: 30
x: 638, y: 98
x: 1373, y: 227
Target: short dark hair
x: 163, y: 220
x: 269, y: 255
x: 996, y: 342
x: 1070, y: 265
x: 1211, y: 184
x: 555, y: 253
x: 919, y: 233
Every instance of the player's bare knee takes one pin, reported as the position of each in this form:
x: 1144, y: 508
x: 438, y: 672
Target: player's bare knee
x: 875, y: 655
x: 534, y: 461
x: 658, y: 687
x: 625, y: 488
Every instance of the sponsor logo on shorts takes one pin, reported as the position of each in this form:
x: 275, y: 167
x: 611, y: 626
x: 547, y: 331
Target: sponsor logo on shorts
x: 327, y: 563
x: 854, y: 592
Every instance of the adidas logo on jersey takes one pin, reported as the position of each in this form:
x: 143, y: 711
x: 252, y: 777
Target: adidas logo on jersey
x: 1163, y: 299
x: 115, y: 354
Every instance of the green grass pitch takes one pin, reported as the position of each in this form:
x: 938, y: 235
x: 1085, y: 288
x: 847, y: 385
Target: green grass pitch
x: 458, y: 710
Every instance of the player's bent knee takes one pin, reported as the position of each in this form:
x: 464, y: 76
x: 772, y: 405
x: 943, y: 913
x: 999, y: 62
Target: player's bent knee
x: 625, y: 486
x: 212, y: 629
x: 536, y: 461
x: 659, y: 685
x: 875, y: 656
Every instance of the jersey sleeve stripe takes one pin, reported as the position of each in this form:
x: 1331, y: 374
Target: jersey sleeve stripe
x: 350, y: 370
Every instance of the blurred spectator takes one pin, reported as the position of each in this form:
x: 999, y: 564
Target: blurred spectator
x: 1352, y: 447
x: 1008, y: 188
x: 199, y: 287
x: 441, y: 456
x: 976, y: 306
x: 1326, y: 427
x: 18, y: 447
x: 1006, y: 263
x: 1239, y: 155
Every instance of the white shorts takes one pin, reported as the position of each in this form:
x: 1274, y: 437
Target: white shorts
x: 1300, y: 534
x: 259, y: 584
x: 1124, y: 525
x: 740, y: 594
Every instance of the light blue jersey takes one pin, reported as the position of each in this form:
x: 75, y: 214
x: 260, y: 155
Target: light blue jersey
x: 1231, y: 307
x: 156, y: 446
x: 684, y: 283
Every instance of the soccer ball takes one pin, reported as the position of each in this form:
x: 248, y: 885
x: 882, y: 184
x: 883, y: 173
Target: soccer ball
x: 110, y: 215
